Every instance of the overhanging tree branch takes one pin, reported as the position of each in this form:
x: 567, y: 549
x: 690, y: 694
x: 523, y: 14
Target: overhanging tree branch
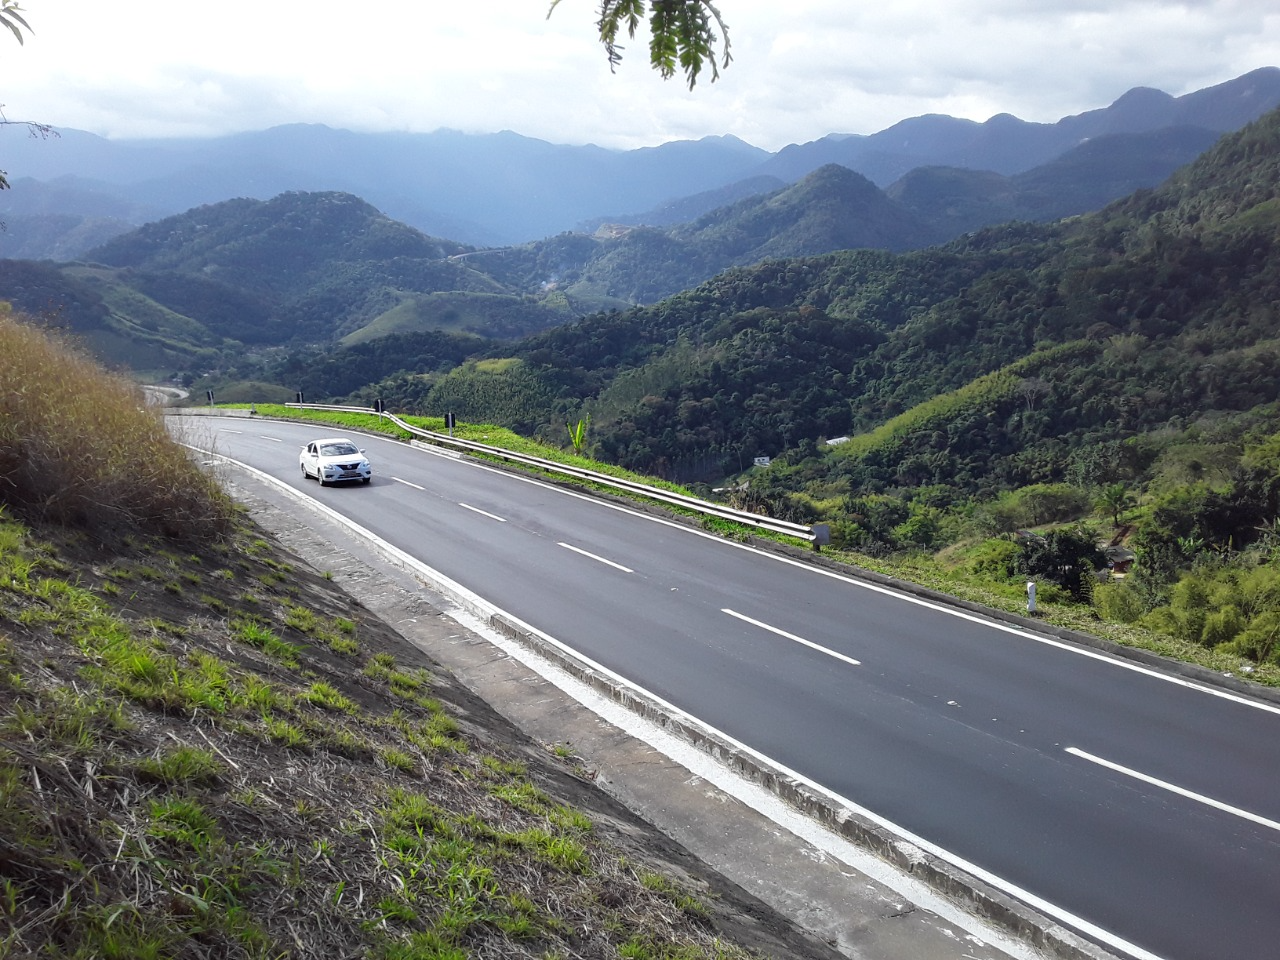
x: 11, y: 17
x: 682, y: 34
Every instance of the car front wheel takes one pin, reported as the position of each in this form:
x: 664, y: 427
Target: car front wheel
x: 305, y: 475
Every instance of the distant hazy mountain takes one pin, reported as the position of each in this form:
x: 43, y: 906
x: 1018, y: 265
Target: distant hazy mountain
x: 489, y: 189
x: 834, y: 208
x: 686, y: 209
x: 1005, y: 144
x: 951, y: 200
x: 60, y: 219
x: 499, y: 189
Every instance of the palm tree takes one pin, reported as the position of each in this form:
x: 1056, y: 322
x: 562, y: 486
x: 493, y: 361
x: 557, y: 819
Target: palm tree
x: 1114, y: 499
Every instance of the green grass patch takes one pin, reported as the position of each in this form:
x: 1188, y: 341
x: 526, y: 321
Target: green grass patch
x: 263, y: 638
x: 182, y: 765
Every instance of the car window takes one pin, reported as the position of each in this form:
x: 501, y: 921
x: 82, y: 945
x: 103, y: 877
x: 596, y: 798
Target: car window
x: 338, y: 449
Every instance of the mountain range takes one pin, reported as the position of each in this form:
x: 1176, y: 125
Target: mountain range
x: 1018, y: 354
x: 195, y: 291
x: 75, y: 190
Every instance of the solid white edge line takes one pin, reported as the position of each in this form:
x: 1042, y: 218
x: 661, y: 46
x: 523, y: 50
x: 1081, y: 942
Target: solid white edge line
x: 484, y: 608
x: 918, y: 601
x: 616, y: 566
x: 791, y: 636
x: 1173, y: 788
x: 408, y: 484
x: 483, y: 513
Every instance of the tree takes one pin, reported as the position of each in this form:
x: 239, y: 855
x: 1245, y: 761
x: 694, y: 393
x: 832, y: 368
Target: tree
x: 681, y: 33
x: 1068, y: 557
x: 1032, y: 389
x: 1115, y: 499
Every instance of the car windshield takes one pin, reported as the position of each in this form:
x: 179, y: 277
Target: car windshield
x: 338, y: 449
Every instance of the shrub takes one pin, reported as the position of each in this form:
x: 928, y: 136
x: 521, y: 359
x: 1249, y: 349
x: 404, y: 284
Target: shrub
x: 78, y: 446
x: 995, y: 560
x: 1222, y: 626
x: 1260, y: 641
x: 1230, y: 606
x: 1118, y: 602
x: 922, y: 529
x: 1037, y: 504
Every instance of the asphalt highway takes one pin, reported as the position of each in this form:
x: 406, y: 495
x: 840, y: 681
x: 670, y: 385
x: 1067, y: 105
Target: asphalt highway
x: 1139, y: 809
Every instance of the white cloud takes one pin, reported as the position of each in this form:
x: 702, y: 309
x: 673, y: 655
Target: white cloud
x: 801, y: 69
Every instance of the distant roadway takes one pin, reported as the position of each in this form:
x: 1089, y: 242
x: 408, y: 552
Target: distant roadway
x: 1135, y: 807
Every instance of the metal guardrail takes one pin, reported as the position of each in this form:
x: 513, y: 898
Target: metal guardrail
x: 817, y: 534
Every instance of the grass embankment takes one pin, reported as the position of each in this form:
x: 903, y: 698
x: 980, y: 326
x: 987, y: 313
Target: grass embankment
x: 208, y: 751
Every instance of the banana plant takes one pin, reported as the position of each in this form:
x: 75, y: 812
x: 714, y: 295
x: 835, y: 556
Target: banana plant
x: 578, y: 433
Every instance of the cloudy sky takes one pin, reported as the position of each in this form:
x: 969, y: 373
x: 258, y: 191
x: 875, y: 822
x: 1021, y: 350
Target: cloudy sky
x: 802, y: 68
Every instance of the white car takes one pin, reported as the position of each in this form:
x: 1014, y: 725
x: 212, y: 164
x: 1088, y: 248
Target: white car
x: 334, y: 460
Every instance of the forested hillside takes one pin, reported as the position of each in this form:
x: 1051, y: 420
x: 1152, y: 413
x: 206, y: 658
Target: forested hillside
x: 206, y: 291
x: 833, y: 208
x: 221, y: 287
x: 952, y: 200
x: 1160, y: 306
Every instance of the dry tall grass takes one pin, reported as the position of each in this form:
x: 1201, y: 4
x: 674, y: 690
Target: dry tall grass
x: 78, y: 446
